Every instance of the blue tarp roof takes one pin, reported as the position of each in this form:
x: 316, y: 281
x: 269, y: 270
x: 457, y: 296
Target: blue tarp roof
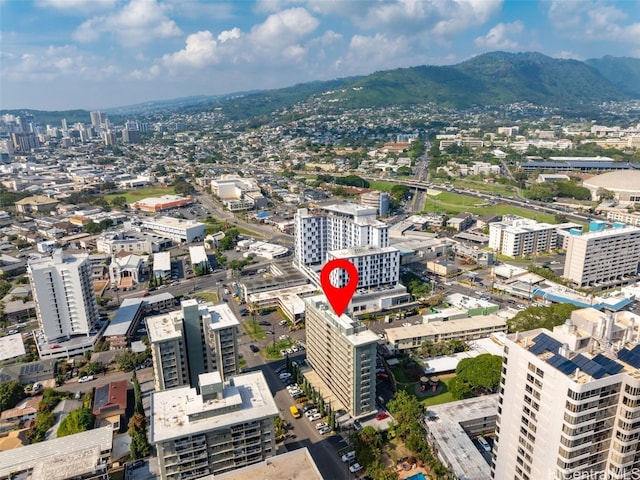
x: 263, y: 215
x: 539, y: 292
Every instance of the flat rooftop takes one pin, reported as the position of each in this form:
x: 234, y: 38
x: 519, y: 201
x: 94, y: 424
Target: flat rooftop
x: 59, y: 458
x: 163, y: 327
x: 295, y: 465
x: 218, y: 316
x: 11, y: 346
x: 247, y: 398
x: 445, y: 424
x: 177, y: 223
x: 438, y: 328
x: 355, y: 332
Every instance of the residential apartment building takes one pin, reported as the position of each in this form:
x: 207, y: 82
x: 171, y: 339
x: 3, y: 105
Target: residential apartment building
x: 569, y: 400
x: 603, y: 258
x: 342, y: 351
x: 199, y: 338
x: 178, y: 230
x: 64, y: 297
x: 336, y: 227
x: 222, y: 426
x: 519, y: 237
x: 376, y: 266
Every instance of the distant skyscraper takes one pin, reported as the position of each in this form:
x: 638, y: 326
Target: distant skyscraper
x: 98, y: 119
x: 63, y: 293
x: 64, y: 124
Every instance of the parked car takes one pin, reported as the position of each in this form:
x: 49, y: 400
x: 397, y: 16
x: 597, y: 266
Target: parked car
x: 347, y: 457
x: 86, y: 378
x: 324, y: 430
x: 382, y: 416
x: 321, y: 425
x: 314, y: 417
x: 254, y: 348
x: 356, y: 467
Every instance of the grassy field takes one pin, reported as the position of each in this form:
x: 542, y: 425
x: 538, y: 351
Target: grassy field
x: 253, y: 329
x: 492, y: 188
x: 381, y: 186
x: 135, y: 195
x: 208, y: 297
x: 453, y: 203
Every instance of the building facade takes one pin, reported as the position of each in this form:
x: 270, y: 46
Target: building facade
x: 65, y: 302
x: 200, y: 338
x: 228, y: 425
x: 342, y: 351
x: 178, y: 230
x: 603, y: 258
x: 569, y: 400
x: 376, y: 266
x: 519, y: 237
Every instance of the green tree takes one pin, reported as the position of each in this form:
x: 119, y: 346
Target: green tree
x: 138, y: 432
x: 540, y: 317
x: 77, y: 421
x: 10, y: 394
x: 405, y: 409
x: 119, y: 201
x: 138, y: 407
x: 126, y: 360
x: 476, y: 375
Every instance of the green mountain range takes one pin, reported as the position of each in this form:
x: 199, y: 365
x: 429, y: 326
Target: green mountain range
x: 491, y: 79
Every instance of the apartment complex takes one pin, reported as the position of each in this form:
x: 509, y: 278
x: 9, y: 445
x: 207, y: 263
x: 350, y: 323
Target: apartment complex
x: 199, y: 338
x: 377, y: 266
x: 569, y: 400
x: 519, y: 237
x: 63, y: 293
x: 227, y: 425
x: 336, y: 227
x: 603, y: 257
x: 342, y: 351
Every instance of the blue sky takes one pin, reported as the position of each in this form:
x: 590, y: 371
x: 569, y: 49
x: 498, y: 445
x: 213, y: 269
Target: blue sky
x: 93, y: 54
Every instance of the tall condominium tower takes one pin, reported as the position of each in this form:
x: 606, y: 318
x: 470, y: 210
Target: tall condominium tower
x: 342, y: 352
x: 603, y: 258
x: 63, y: 293
x: 569, y: 400
x: 336, y: 227
x: 199, y: 338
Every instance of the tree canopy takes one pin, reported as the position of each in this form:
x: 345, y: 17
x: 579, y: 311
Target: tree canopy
x: 77, y: 421
x: 541, y: 317
x: 10, y: 394
x: 476, y: 375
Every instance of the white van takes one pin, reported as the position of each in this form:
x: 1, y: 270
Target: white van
x: 484, y: 444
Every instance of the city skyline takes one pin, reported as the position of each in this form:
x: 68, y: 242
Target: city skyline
x: 67, y: 54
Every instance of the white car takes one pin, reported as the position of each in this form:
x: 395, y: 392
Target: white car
x: 347, y: 457
x: 324, y: 430
x: 86, y: 378
x: 321, y: 425
x: 314, y: 417
x: 308, y: 413
x: 356, y: 467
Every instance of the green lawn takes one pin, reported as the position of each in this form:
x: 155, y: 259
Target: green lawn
x: 458, y: 199
x: 272, y: 351
x: 493, y: 188
x: 381, y: 186
x: 135, y: 195
x: 434, y: 204
x: 253, y: 329
x: 404, y: 383
x: 208, y: 297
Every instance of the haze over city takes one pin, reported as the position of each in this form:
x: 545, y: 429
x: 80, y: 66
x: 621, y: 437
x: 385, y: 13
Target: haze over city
x: 66, y: 54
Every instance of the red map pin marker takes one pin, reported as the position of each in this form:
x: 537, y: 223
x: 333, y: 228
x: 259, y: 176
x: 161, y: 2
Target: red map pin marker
x: 339, y: 298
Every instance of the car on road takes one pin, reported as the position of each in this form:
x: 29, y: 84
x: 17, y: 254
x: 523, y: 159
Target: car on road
x: 382, y: 376
x: 264, y: 323
x: 347, y: 457
x: 254, y: 348
x: 356, y: 467
x: 86, y: 378
x: 268, y: 332
x: 382, y: 416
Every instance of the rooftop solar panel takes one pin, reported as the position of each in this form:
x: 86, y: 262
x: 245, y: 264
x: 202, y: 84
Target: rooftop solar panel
x: 611, y: 366
x: 589, y: 366
x: 544, y: 343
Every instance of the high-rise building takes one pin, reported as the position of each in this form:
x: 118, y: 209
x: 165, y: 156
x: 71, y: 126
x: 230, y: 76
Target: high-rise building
x: 222, y: 426
x: 342, y: 351
x: 379, y: 200
x: 63, y: 293
x: 519, y: 237
x: 199, y: 338
x: 377, y: 266
x: 336, y: 227
x: 98, y: 119
x: 569, y: 400
x: 603, y: 258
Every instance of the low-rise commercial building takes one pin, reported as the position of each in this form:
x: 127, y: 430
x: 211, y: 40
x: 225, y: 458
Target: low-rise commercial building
x: 177, y: 229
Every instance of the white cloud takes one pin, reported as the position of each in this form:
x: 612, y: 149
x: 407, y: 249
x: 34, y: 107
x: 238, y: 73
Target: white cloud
x: 499, y: 37
x: 138, y: 22
x: 378, y: 52
x: 232, y: 34
x: 283, y: 28
x: 201, y: 50
x: 77, y: 6
x: 593, y: 21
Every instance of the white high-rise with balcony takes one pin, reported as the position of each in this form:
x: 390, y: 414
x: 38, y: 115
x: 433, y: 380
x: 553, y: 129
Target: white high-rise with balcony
x: 63, y: 293
x: 569, y: 400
